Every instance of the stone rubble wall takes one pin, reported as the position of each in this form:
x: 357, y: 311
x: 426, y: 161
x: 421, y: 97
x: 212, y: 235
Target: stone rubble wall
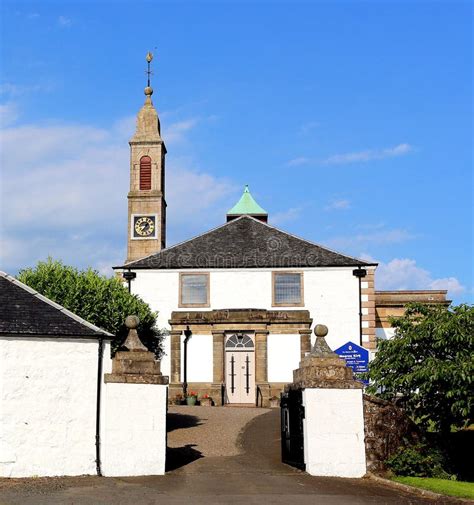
x: 386, y: 427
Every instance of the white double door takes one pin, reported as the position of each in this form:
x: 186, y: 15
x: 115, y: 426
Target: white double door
x: 240, y: 375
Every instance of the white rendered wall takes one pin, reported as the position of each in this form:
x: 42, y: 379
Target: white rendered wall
x: 200, y: 358
x: 48, y: 390
x: 334, y: 432
x: 133, y: 429
x: 330, y: 294
x: 284, y: 355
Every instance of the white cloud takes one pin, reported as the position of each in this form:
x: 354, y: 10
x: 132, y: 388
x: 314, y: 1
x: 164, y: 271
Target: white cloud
x: 14, y: 90
x: 286, y: 216
x: 368, y: 155
x: 338, y: 205
x: 191, y: 192
x: 450, y: 283
x: 404, y: 273
x: 8, y: 113
x: 64, y: 21
x: 376, y: 237
x: 295, y: 162
x: 64, y: 193
x: 176, y: 132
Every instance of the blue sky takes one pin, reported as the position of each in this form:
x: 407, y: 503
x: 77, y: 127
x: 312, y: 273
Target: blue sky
x: 350, y: 121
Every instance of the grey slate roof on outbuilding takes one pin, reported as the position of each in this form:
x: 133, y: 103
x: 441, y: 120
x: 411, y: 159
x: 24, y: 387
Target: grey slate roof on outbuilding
x: 245, y: 243
x: 24, y: 312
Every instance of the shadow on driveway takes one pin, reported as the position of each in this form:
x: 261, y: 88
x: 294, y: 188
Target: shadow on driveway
x: 176, y: 457
x: 175, y: 421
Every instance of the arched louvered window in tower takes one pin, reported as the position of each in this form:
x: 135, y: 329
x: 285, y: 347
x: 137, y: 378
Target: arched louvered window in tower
x: 145, y: 172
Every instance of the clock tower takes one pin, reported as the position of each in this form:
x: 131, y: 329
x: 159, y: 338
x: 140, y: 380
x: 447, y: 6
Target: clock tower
x: 146, y: 198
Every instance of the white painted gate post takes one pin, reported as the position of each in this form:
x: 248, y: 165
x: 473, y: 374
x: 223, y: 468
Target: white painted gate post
x: 333, y: 427
x: 133, y: 421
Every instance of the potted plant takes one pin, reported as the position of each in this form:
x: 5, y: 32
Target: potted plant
x: 191, y: 398
x: 178, y: 399
x: 206, y: 400
x: 274, y: 402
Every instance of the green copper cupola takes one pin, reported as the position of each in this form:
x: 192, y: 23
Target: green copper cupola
x: 247, y: 206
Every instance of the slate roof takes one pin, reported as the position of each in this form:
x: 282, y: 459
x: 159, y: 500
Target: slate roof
x: 245, y: 242
x: 23, y: 311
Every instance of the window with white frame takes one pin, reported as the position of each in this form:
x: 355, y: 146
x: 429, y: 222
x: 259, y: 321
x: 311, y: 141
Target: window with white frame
x: 194, y: 290
x: 287, y: 289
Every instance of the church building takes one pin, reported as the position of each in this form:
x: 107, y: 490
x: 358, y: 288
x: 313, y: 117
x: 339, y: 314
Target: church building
x: 240, y: 301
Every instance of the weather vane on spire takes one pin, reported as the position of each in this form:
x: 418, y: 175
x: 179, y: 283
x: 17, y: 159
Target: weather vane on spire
x: 149, y: 89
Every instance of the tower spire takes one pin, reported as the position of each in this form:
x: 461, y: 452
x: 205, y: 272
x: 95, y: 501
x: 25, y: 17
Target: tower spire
x: 149, y: 89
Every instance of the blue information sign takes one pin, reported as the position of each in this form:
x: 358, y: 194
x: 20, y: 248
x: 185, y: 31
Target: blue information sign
x: 356, y: 357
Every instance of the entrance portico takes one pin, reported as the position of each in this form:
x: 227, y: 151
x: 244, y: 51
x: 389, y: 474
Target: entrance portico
x: 229, y: 329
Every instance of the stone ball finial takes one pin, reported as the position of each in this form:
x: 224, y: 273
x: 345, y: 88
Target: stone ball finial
x: 131, y: 322
x: 148, y: 91
x: 321, y: 330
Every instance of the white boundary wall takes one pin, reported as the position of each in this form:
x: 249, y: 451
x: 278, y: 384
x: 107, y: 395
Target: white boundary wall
x: 48, y: 401
x: 333, y: 431
x: 48, y: 389
x: 133, y: 429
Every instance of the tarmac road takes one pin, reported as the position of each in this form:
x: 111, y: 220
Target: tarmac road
x: 253, y: 474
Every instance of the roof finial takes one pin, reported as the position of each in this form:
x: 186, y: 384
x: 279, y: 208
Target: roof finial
x: 149, y: 89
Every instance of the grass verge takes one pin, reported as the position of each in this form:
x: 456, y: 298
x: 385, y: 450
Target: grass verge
x: 442, y: 486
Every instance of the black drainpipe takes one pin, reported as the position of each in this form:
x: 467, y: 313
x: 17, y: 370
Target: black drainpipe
x: 360, y: 273
x: 97, y: 413
x: 187, y: 335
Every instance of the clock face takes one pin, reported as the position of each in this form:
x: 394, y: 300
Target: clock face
x: 144, y: 226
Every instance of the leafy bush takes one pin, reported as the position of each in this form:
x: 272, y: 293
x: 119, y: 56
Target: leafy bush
x: 102, y: 301
x: 419, y: 460
x: 427, y: 368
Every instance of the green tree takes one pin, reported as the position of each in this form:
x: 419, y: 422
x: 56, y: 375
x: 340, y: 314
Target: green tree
x: 102, y: 301
x: 428, y: 367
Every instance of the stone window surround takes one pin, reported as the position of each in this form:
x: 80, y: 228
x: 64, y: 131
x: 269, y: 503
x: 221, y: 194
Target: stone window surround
x: 194, y: 305
x: 301, y: 274
x: 219, y: 323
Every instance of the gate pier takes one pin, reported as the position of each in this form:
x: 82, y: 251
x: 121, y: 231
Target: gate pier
x: 324, y: 406
x: 133, y: 425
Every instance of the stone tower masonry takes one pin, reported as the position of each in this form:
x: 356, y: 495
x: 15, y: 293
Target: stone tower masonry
x: 146, y: 198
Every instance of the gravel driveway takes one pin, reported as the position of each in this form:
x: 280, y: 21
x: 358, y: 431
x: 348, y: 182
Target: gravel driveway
x: 212, y: 431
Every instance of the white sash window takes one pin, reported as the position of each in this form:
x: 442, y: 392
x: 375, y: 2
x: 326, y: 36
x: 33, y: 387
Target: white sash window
x: 194, y: 290
x: 288, y: 289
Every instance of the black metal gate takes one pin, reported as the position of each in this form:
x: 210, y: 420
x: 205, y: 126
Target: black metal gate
x: 292, y: 415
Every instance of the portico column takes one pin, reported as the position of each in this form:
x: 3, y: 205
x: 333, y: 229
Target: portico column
x: 261, y: 368
x: 175, y: 336
x: 261, y: 356
x: 218, y: 356
x: 218, y: 365
x: 305, y: 342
